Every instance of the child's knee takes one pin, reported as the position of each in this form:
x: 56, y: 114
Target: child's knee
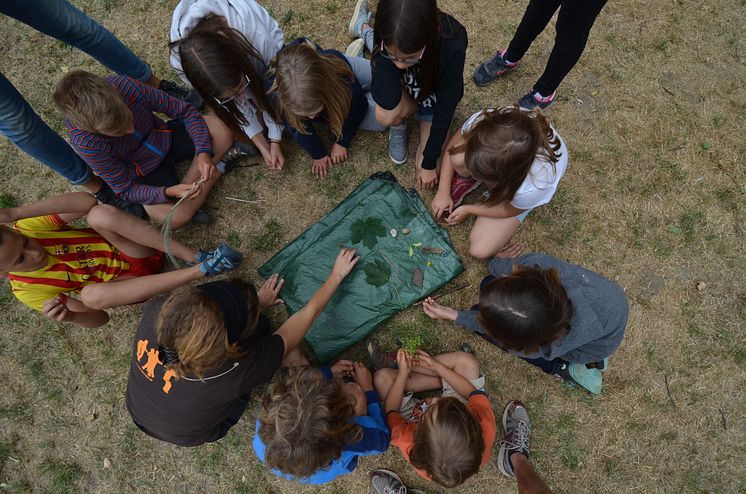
x: 382, y: 380
x: 480, y: 250
x: 101, y: 217
x: 467, y: 365
x: 387, y: 118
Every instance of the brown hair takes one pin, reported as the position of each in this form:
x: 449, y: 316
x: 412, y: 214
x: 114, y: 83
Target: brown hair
x: 216, y: 58
x: 525, y: 309
x: 91, y: 103
x: 306, y: 82
x: 501, y: 147
x: 448, y: 443
x: 191, y: 323
x: 304, y: 424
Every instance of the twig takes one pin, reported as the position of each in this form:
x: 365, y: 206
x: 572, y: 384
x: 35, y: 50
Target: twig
x: 668, y: 390
x: 243, y: 200
x: 722, y: 416
x: 447, y: 292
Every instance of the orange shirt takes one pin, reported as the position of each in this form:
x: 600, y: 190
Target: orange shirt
x: 76, y: 258
x: 402, y: 432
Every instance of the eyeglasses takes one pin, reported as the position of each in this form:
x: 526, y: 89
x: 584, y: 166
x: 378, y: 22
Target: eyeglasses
x: 244, y: 87
x: 405, y: 61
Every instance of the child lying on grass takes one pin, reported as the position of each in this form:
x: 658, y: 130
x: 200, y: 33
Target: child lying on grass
x: 117, y: 261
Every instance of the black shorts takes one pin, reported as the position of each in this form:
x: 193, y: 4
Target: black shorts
x: 182, y: 149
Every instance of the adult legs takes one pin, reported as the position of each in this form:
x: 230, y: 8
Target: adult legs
x: 574, y: 24
x: 535, y: 19
x: 24, y: 128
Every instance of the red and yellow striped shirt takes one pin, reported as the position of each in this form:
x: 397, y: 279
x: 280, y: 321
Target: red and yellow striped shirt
x: 76, y: 258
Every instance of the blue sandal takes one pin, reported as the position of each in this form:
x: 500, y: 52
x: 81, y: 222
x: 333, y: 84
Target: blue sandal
x: 224, y: 258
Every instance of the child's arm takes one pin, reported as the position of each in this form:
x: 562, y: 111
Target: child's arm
x: 355, y: 116
x: 443, y: 202
x: 69, y: 207
x: 376, y: 433
x: 500, y: 211
x: 392, y: 403
x: 314, y: 147
x: 73, y: 311
x: 456, y: 380
x: 296, y: 327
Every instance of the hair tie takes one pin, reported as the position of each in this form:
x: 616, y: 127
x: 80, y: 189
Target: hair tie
x: 169, y: 356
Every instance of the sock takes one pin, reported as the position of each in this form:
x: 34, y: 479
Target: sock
x: 543, y: 99
x: 398, y: 127
x: 507, y: 62
x: 220, y: 166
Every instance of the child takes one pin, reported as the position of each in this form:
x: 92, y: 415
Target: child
x: 518, y: 155
x: 574, y: 23
x: 115, y: 262
x: 314, y: 426
x: 111, y: 124
x: 200, y: 351
x: 310, y: 85
x: 223, y: 49
x: 421, y: 49
x: 560, y: 317
x: 446, y: 439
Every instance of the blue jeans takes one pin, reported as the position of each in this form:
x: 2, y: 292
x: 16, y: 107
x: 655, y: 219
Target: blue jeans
x: 364, y: 75
x: 18, y: 121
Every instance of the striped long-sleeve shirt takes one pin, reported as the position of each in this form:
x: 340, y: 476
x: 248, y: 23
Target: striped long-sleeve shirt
x: 121, y: 161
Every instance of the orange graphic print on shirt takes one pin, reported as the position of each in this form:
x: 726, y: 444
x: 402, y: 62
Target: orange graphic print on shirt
x: 152, y: 361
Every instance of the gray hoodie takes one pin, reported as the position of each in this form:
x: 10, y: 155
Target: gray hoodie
x: 600, y: 310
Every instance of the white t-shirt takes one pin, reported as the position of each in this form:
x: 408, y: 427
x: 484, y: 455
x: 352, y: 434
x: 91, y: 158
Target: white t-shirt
x: 541, y: 182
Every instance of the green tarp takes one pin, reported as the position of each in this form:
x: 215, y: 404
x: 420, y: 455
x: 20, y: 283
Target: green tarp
x: 382, y: 283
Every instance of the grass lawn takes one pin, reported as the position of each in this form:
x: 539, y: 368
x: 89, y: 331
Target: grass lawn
x: 653, y: 198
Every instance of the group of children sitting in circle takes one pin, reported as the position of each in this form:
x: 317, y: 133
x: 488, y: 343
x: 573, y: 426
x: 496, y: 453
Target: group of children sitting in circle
x: 201, y: 349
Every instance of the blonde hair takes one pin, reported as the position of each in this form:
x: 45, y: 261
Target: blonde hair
x: 91, y: 103
x: 307, y: 82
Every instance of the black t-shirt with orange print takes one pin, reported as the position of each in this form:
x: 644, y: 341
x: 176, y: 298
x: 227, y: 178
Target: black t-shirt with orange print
x: 190, y: 411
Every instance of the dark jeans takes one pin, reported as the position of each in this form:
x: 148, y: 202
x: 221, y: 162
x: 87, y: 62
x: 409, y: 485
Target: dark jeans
x: 574, y: 23
x: 18, y: 121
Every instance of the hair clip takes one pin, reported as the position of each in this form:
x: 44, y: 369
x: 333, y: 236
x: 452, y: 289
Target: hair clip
x: 169, y: 356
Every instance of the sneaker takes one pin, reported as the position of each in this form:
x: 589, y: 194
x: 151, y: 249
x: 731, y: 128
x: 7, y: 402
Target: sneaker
x: 356, y: 48
x: 201, y: 217
x: 107, y: 196
x: 398, y: 144
x: 492, y: 69
x: 378, y: 358
x: 235, y: 153
x: 384, y: 481
x: 223, y: 258
x: 360, y: 16
x: 189, y: 95
x: 589, y: 379
x: 533, y: 99
x: 517, y: 427
x: 460, y: 187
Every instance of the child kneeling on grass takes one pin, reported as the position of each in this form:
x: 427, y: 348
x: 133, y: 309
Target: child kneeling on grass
x: 446, y: 439
x: 558, y: 316
x: 112, y: 126
x: 315, y: 426
x: 117, y: 261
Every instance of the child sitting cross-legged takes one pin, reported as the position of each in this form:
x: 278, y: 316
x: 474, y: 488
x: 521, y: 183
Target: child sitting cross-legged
x: 112, y: 125
x: 447, y: 438
x: 73, y: 274
x: 314, y: 426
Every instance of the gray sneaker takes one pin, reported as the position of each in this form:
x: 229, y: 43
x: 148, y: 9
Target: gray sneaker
x: 517, y: 427
x: 398, y: 144
x: 384, y: 481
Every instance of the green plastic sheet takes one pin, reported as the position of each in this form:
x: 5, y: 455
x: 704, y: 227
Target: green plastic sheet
x: 368, y: 215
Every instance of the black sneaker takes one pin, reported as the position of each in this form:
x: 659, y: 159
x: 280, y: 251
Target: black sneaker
x: 493, y: 68
x: 235, y: 153
x: 182, y: 93
x: 107, y: 196
x: 201, y: 217
x: 533, y: 99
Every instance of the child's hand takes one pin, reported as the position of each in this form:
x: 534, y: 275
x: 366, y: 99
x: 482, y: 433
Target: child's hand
x: 339, y: 154
x: 434, y: 310
x: 269, y: 292
x: 404, y: 361
x: 426, y: 361
x: 346, y: 260
x: 321, y: 167
x: 277, y: 158
x: 342, y: 368
x: 511, y: 251
x: 458, y: 215
x: 206, y: 167
x: 363, y: 376
x: 55, y: 309
x: 427, y: 178
x: 442, y: 203
x: 180, y: 190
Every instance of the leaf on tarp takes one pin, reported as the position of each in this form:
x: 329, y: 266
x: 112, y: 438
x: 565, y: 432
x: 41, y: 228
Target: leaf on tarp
x: 432, y: 250
x: 367, y: 231
x: 412, y: 247
x: 418, y: 277
x: 377, y: 273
